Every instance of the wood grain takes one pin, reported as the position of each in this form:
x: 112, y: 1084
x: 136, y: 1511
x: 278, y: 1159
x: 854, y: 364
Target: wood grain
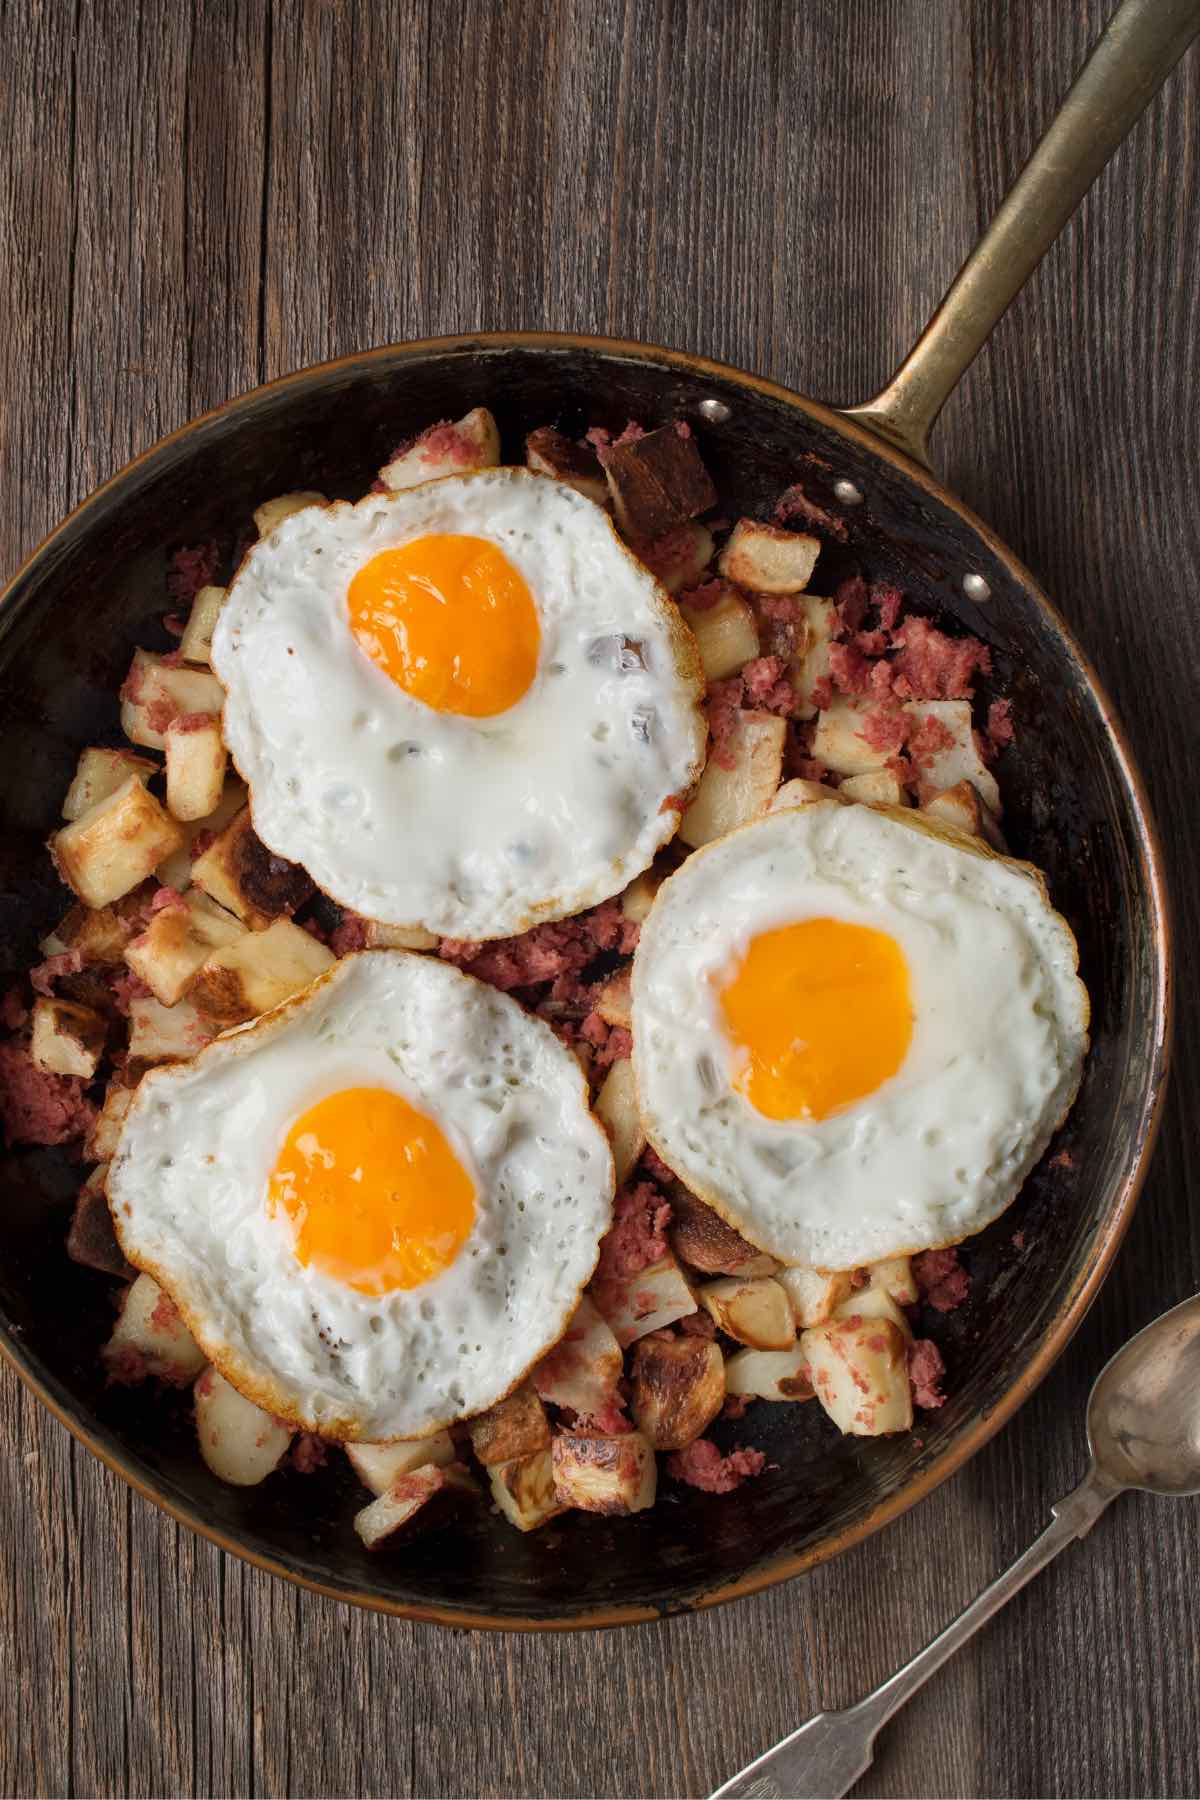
x: 194, y: 198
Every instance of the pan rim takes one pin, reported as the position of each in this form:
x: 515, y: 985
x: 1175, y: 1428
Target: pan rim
x: 1078, y: 1298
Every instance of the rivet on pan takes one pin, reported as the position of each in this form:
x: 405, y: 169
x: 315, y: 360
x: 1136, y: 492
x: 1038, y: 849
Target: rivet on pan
x: 976, y: 588
x: 847, y: 493
x: 715, y: 411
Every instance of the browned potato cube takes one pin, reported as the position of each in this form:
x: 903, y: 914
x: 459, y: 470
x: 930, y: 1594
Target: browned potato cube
x: 151, y: 1339
x: 701, y: 1238
x: 612, y: 1475
x: 66, y: 1039
x: 176, y: 871
x: 859, y: 1371
x: 872, y: 1303
x: 767, y: 559
x: 524, y: 1490
x: 102, y: 1139
x: 101, y: 933
x: 100, y: 773
x: 115, y: 845
x: 582, y: 1370
x: 645, y: 1302
x: 657, y: 482
x: 434, y: 1492
x: 196, y: 762
x: 256, y: 972
x: 242, y: 875
x: 514, y: 1427
x: 178, y: 940
x: 726, y: 634
x: 728, y: 797
x: 617, y: 1110
x: 678, y: 1389
x: 895, y: 1276
x: 157, y: 691
x: 757, y: 1313
x: 961, y: 806
x: 270, y: 515
x: 810, y: 658
x: 614, y: 1003
x: 961, y: 760
x: 878, y: 787
x: 159, y: 1033
x: 838, y: 741
x: 378, y: 1465
x: 474, y: 443
x: 769, y: 1374
x: 548, y: 452
x: 195, y: 646
x: 815, y: 1294
x: 92, y: 1239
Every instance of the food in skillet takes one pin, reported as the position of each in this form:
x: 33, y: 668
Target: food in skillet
x: 765, y: 1249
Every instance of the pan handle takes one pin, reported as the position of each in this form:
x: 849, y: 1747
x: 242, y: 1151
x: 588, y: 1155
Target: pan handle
x: 1140, y: 47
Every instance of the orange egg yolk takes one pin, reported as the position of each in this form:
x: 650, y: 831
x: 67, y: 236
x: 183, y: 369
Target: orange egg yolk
x: 451, y: 621
x: 820, y: 1015
x: 376, y: 1196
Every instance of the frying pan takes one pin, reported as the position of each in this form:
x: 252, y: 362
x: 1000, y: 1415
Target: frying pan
x: 1075, y: 805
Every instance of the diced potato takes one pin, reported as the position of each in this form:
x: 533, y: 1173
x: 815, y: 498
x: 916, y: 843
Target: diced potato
x: 657, y: 482
x: 67, y: 1039
x: 878, y: 787
x: 859, y: 1372
x: 895, y: 1277
x: 176, y: 871
x: 769, y: 1374
x: 838, y: 741
x: 767, y: 559
x: 872, y: 1303
x: 726, y: 634
x: 582, y: 1370
x: 115, y: 845
x: 524, y: 1490
x: 240, y: 1442
x: 101, y: 933
x: 398, y: 937
x: 100, y: 773
x: 617, y: 1110
x: 962, y: 807
x: 156, y: 691
x: 815, y: 1294
x: 680, y: 558
x: 150, y: 1338
x: 640, y: 895
x: 727, y: 798
x: 195, y: 646
x: 701, y: 1238
x: 256, y: 972
x: 474, y: 443
x: 102, y: 1139
x: 961, y: 761
x: 800, y: 793
x: 447, y: 1488
x: 810, y: 658
x: 645, y: 1302
x: 178, y: 940
x: 758, y: 1313
x: 159, y: 1033
x: 549, y: 452
x: 196, y: 764
x: 613, y: 1475
x: 379, y: 1465
x: 270, y: 515
x: 515, y: 1427
x: 240, y: 874
x: 678, y: 1389
x: 614, y: 1001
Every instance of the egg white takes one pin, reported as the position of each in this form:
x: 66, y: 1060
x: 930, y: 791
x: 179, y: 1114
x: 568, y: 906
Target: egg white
x: 189, y: 1181
x: 999, y: 1037
x: 474, y: 828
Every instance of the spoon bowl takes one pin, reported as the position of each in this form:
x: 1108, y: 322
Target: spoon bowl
x: 1143, y: 1418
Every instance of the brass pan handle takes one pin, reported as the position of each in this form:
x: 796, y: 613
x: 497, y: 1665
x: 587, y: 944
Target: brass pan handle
x: 1140, y: 47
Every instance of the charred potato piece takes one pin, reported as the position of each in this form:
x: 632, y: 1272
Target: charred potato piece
x: 176, y: 871
x: 639, y: 896
x: 872, y: 1303
x: 878, y: 787
x: 614, y: 1003
x: 839, y: 743
x: 611, y: 1475
x: 656, y: 482
x: 513, y: 1428
x: 809, y: 661
x: 757, y: 1312
x: 524, y: 1490
x: 815, y: 1294
x: 168, y: 955
x: 115, y: 845
x: 802, y: 793
x: 67, y: 1039
x: 549, y: 452
x: 100, y: 773
x: 895, y: 1277
x: 242, y: 875
x: 961, y: 760
x: 678, y: 1389
x: 159, y: 1033
x: 256, y: 972
x: 582, y: 1370
x: 101, y: 1143
x: 701, y: 1238
x: 92, y: 1239
x: 962, y: 807
x: 101, y: 933
x: 766, y: 559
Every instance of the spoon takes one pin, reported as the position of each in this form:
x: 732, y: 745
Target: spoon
x: 1143, y: 1426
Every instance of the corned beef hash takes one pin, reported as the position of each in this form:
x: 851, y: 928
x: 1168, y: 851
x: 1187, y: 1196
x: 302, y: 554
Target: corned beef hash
x: 541, y: 979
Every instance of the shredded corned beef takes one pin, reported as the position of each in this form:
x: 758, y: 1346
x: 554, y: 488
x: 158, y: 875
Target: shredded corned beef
x: 781, y: 609
x: 308, y: 1453
x: 702, y: 1466
x: 1000, y: 725
x: 602, y: 440
x: 162, y: 899
x: 932, y: 666
x: 160, y: 713
x: 925, y: 1371
x: 548, y: 951
x: 889, y: 603
x: 195, y: 721
x: 794, y: 503
x: 14, y: 1014
x: 637, y: 1237
x: 189, y: 570
x: 702, y: 597
x: 124, y: 1364
x: 616, y: 1047
x: 669, y: 552
x: 734, y: 1406
x: 765, y: 686
x: 723, y: 706
x: 315, y: 930
x: 611, y: 1420
x: 941, y: 1278
x: 175, y: 623
x: 127, y: 987
x: 927, y: 738
x: 1018, y: 1240
x: 39, y: 1108
x: 43, y: 975
x: 351, y: 934
x: 851, y: 599
x: 654, y: 1165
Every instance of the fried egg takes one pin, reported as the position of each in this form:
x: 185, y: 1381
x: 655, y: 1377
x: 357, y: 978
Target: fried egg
x: 377, y: 1205
x: 466, y: 706
x: 854, y: 1032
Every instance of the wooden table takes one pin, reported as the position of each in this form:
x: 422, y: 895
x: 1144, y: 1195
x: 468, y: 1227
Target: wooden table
x: 197, y: 198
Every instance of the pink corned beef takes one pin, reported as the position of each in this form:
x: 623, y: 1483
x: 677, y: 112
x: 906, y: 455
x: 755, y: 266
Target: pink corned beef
x: 196, y: 721
x: 765, y: 687
x: 1000, y: 725
x: 654, y: 1165
x: 14, y: 1014
x: 43, y: 975
x: 941, y: 1278
x: 611, y: 1420
x: 724, y: 705
x: 925, y: 1371
x: 350, y: 935
x: 162, y: 899
x: 702, y: 597
x: 308, y: 1453
x: 38, y: 1108
x: 702, y: 1466
x: 127, y: 987
x: 851, y: 599
x: 637, y: 1236
x: 734, y: 1406
x: 780, y: 609
x: 794, y: 503
x: 562, y: 947
x: 189, y: 570
x: 933, y: 666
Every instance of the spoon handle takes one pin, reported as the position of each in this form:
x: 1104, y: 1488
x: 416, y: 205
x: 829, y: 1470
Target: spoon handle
x: 826, y: 1757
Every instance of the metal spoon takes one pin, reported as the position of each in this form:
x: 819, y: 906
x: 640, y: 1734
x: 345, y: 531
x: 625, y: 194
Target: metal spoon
x: 1143, y: 1426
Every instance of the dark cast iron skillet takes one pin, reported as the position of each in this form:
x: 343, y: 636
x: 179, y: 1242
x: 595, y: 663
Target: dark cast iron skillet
x: 1075, y: 806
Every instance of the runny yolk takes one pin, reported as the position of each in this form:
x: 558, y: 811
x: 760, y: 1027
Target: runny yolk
x: 451, y: 621
x: 376, y: 1196
x: 820, y: 1015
